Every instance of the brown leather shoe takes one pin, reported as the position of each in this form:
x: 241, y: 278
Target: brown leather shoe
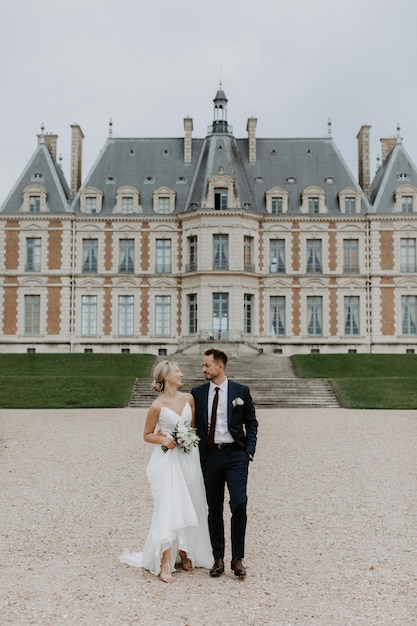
x: 238, y: 567
x: 218, y: 568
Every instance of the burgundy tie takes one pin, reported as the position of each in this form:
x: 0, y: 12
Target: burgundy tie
x: 213, y: 419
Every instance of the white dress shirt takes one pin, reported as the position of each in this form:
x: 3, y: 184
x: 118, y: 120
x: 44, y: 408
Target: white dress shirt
x: 221, y: 434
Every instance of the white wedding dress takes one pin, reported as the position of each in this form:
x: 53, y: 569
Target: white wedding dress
x: 179, y: 519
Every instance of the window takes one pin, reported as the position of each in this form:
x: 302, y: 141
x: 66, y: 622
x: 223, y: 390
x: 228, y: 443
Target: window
x: 34, y: 204
x: 127, y: 205
x: 163, y: 256
x: 89, y: 315
x: 220, y: 199
x: 408, y: 255
x: 192, y: 313
x: 314, y: 316
x: 276, y: 201
x: 276, y: 205
x: 409, y: 315
x: 220, y: 252
x: 351, y: 315
x: 248, y: 265
x: 220, y: 315
x: 314, y: 265
x: 350, y: 205
x: 163, y: 204
x: 407, y: 204
x: 277, y: 256
x: 351, y: 256
x: 91, y: 200
x: 91, y: 204
x: 126, y: 256
x: 247, y: 313
x: 90, y: 255
x: 126, y: 316
x: 163, y: 316
x: 277, y: 315
x: 33, y: 254
x: 313, y: 206
x: 163, y: 200
x: 192, y: 254
x: 32, y: 315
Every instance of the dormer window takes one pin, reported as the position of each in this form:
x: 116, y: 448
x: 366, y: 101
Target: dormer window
x: 403, y: 176
x: 91, y: 200
x: 164, y: 200
x: 276, y: 201
x: 221, y: 193
x: 349, y: 201
x: 34, y: 200
x: 406, y: 199
x: 127, y: 200
x: 313, y: 201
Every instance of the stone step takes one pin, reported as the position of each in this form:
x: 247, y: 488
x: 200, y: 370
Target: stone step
x: 272, y: 392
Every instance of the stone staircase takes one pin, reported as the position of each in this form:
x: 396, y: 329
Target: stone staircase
x: 270, y: 377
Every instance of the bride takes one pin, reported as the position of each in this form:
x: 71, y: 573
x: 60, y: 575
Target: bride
x: 179, y: 520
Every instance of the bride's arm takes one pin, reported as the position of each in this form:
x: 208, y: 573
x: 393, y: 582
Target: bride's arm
x: 149, y: 433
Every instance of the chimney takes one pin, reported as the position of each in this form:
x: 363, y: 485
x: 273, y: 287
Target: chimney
x: 251, y: 128
x: 50, y: 141
x: 188, y: 129
x: 364, y: 159
x: 386, y: 147
x: 76, y: 157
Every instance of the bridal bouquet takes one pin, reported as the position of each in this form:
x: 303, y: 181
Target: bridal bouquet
x: 185, y: 436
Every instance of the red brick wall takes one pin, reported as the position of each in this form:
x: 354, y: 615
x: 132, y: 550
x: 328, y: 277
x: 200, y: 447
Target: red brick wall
x: 387, y: 249
x: 55, y: 254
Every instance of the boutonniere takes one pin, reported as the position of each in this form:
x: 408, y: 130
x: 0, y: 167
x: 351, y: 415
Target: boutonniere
x: 237, y: 402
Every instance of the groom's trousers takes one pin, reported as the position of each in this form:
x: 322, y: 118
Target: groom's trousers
x: 226, y: 465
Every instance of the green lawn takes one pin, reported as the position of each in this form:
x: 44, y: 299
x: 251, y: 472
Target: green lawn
x: 47, y: 381
x: 52, y: 381
x: 365, y: 381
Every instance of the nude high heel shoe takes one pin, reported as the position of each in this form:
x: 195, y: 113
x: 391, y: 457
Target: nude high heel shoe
x: 165, y: 573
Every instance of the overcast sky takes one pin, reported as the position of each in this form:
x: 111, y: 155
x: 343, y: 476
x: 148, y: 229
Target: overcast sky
x: 293, y: 64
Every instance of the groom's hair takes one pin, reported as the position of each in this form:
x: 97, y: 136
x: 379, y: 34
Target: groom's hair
x: 218, y: 355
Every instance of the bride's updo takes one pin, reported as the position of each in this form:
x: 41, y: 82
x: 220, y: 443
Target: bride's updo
x: 160, y: 373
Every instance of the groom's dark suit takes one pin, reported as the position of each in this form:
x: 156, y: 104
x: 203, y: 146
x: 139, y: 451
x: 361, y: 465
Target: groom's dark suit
x: 228, y: 464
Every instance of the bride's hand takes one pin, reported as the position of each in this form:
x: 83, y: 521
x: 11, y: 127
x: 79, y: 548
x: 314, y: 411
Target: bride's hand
x: 170, y: 443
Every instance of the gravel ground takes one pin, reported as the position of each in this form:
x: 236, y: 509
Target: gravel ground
x: 331, y: 541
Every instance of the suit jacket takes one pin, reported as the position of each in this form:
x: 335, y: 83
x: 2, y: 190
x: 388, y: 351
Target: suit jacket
x: 241, y: 419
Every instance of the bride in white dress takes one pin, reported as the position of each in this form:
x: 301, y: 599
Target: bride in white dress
x: 179, y: 521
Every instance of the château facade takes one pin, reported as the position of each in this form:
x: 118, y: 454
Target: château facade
x: 267, y: 244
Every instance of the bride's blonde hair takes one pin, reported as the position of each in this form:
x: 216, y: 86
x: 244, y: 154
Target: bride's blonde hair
x: 160, y: 373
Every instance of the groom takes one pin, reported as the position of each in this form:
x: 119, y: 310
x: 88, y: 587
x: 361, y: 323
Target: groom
x: 227, y: 426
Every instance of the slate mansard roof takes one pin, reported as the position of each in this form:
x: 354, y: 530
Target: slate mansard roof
x: 43, y: 171
x: 151, y: 164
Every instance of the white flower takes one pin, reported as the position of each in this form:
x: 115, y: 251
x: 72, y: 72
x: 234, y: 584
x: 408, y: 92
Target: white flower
x: 185, y: 436
x: 237, y: 402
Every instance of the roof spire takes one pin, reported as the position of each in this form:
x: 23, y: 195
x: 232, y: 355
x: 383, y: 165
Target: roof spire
x: 399, y: 138
x: 220, y: 112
